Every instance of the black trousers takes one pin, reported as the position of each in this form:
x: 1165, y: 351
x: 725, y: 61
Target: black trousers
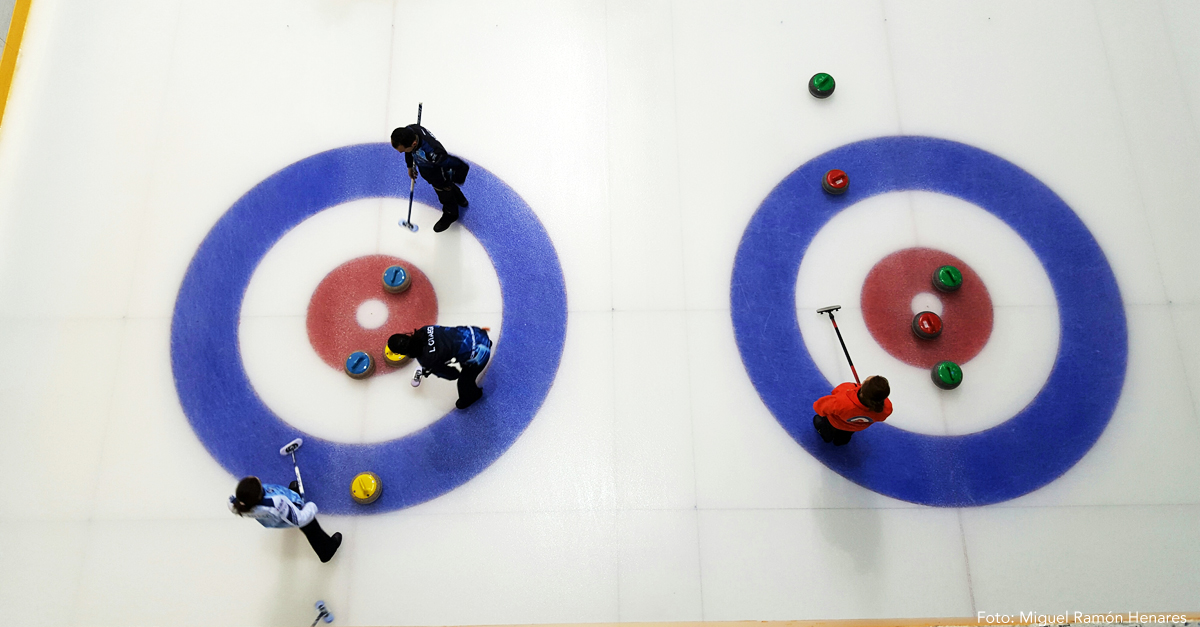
x: 321, y: 542
x: 829, y: 433
x: 445, y: 182
x: 468, y: 387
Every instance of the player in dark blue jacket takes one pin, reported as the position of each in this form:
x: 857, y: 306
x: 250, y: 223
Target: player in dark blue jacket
x: 424, y: 153
x: 440, y: 349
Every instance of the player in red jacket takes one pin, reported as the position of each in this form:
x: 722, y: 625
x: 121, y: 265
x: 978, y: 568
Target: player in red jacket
x: 851, y: 408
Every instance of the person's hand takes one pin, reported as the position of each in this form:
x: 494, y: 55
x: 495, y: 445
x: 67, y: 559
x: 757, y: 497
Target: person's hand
x: 412, y: 173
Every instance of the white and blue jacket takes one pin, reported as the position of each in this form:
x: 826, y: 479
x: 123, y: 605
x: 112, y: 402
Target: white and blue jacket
x: 280, y: 508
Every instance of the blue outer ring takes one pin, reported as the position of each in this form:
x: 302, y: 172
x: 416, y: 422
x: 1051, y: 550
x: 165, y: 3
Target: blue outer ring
x: 1024, y: 453
x: 244, y: 435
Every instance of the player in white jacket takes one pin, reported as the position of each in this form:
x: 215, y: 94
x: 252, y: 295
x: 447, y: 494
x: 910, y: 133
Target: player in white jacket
x: 278, y: 507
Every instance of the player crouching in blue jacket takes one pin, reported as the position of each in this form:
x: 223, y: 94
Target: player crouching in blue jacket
x: 440, y: 349
x: 275, y: 506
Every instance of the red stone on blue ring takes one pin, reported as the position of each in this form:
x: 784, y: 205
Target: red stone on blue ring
x: 835, y: 182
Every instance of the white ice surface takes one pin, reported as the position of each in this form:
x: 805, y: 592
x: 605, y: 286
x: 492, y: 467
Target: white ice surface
x: 653, y: 484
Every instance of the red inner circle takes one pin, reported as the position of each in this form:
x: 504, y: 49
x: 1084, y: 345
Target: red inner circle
x: 887, y: 297
x: 333, y: 328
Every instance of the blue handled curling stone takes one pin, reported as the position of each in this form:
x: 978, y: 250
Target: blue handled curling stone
x: 359, y: 365
x: 396, y: 279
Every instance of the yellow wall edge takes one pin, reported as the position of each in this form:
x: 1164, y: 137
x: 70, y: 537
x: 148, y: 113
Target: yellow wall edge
x: 8, y: 64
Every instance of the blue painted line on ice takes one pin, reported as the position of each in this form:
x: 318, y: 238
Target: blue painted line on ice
x: 1024, y: 453
x: 244, y: 435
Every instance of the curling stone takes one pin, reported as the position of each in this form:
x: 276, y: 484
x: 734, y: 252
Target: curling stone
x: 947, y: 279
x: 821, y: 85
x: 946, y: 375
x: 927, y: 325
x: 359, y: 365
x: 835, y: 182
x: 365, y: 488
x: 395, y: 360
x: 396, y: 279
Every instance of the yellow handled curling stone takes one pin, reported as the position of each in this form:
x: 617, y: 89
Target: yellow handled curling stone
x: 365, y: 488
x: 393, y: 359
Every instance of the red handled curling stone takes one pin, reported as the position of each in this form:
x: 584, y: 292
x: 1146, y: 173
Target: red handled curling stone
x: 947, y: 279
x: 946, y: 375
x: 927, y: 325
x: 835, y: 182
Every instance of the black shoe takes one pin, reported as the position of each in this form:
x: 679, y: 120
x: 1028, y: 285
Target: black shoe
x: 817, y: 425
x: 449, y: 216
x: 294, y: 486
x: 464, y: 403
x: 334, y: 542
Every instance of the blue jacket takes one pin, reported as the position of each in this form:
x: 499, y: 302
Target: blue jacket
x: 430, y: 157
x: 443, y: 346
x: 429, y: 152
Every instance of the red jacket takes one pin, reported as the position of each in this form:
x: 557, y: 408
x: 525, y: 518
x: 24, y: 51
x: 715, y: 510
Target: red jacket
x: 844, y: 411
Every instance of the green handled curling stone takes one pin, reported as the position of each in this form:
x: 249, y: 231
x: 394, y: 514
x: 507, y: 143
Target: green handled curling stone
x: 946, y: 375
x: 821, y: 85
x: 947, y: 279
